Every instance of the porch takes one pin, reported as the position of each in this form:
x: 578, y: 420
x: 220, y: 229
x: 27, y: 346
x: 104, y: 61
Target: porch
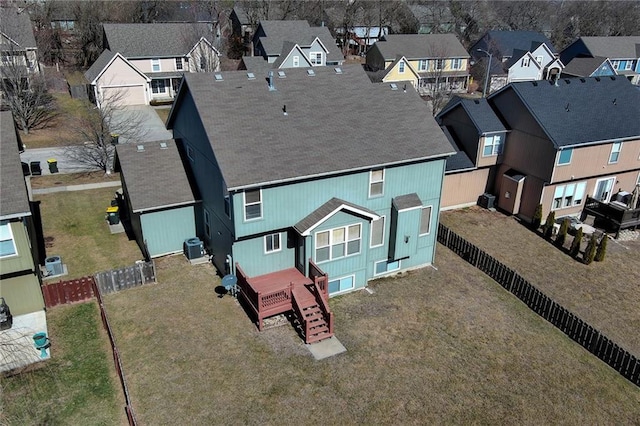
x: 615, y: 215
x: 289, y: 290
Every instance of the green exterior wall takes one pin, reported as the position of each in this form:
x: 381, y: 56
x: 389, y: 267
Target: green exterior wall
x: 22, y: 294
x: 165, y: 231
x: 23, y: 261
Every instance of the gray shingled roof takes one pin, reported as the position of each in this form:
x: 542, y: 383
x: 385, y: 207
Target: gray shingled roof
x: 155, y: 177
x: 324, y: 132
x: 13, y: 191
x: 581, y: 111
x: 505, y: 42
x: 458, y: 162
x: 583, y: 67
x: 257, y: 65
x: 612, y: 47
x: 96, y: 68
x: 17, y: 25
x: 407, y: 201
x: 154, y: 40
x: 479, y: 111
x: 419, y: 46
x: 321, y: 213
x: 279, y: 32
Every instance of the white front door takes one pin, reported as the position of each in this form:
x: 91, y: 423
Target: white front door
x: 603, y: 189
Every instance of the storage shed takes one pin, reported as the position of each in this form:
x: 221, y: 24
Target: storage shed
x: 157, y: 196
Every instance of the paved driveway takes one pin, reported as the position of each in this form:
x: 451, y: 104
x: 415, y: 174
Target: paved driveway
x: 151, y: 128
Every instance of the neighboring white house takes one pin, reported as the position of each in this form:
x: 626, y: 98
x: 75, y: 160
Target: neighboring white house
x: 533, y: 65
x: 145, y: 62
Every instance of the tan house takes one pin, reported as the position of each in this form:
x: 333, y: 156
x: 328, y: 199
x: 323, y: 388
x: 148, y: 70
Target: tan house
x: 142, y: 63
x: 18, y: 49
x: 428, y: 61
x: 566, y: 142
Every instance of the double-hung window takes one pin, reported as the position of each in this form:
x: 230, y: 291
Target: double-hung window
x: 401, y: 67
x: 7, y: 245
x: 315, y: 58
x: 615, y: 152
x: 253, y: 204
x: 157, y: 86
x: 525, y: 61
x: 568, y: 195
x: 628, y: 65
x: 565, y: 156
x: 272, y: 243
x: 616, y: 65
x: 425, y: 220
x: 179, y: 64
x: 456, y: 64
x: 539, y: 59
x: 377, y: 232
x: 155, y: 65
x: 492, y: 146
x: 423, y: 64
x: 376, y: 183
x: 337, y: 243
x: 439, y: 64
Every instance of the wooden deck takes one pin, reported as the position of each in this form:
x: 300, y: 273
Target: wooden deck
x: 289, y: 290
x: 617, y: 217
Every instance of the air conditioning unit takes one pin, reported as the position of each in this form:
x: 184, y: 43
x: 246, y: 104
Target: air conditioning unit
x: 53, y: 265
x: 193, y: 248
x: 487, y: 201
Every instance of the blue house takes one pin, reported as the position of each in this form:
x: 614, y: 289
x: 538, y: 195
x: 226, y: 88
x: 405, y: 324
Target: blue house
x: 303, y: 195
x: 623, y: 53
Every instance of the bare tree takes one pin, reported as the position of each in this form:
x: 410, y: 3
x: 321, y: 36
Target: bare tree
x: 437, y: 86
x: 100, y: 128
x: 24, y: 91
x: 204, y: 56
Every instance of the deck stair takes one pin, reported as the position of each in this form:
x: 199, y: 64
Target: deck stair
x: 311, y: 314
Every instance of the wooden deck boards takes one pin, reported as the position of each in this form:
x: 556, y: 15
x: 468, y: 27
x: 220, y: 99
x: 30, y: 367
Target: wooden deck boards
x: 278, y: 280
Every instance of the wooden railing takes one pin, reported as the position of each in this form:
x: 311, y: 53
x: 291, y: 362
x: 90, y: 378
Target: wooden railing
x: 619, y: 217
x: 298, y: 311
x: 324, y: 306
x: 246, y: 291
x: 319, y: 278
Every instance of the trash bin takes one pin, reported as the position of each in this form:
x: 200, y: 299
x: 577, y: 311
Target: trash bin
x: 35, y: 168
x: 114, y: 139
x: 113, y: 215
x: 53, y: 165
x: 25, y: 169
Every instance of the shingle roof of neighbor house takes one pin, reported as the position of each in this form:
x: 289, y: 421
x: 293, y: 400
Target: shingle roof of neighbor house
x: 479, y: 111
x: 300, y: 32
x: 96, y: 68
x: 613, y: 47
x: 15, y: 24
x: 506, y: 41
x: 460, y: 160
x: 580, y: 111
x: 154, y: 176
x: 583, y: 67
x: 157, y: 40
x: 334, y: 122
x: 13, y: 190
x: 417, y: 46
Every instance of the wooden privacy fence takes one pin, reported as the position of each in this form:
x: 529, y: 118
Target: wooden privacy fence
x: 590, y: 338
x: 127, y: 277
x: 128, y: 408
x: 64, y: 292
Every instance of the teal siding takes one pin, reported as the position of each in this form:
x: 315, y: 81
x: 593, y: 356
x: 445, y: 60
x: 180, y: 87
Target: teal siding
x: 403, y: 238
x: 253, y: 260
x: 165, y: 231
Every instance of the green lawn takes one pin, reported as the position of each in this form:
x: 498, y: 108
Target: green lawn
x: 77, y: 385
x: 75, y: 229
x: 447, y: 345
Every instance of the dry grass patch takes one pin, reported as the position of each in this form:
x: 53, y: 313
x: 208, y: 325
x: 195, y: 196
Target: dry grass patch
x: 66, y: 179
x: 434, y: 345
x: 605, y: 294
x: 62, y: 130
x: 75, y: 228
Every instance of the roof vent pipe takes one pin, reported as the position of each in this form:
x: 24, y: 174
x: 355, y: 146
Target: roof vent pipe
x: 270, y: 78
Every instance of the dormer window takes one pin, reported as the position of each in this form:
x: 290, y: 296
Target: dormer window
x: 155, y: 65
x: 315, y: 58
x: 525, y: 61
x: 179, y: 64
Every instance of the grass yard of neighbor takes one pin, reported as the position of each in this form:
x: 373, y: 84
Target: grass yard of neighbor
x: 75, y: 229
x: 78, y: 385
x: 447, y: 344
x: 66, y: 179
x: 604, y: 294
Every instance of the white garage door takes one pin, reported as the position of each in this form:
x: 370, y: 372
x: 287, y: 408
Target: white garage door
x: 125, y: 95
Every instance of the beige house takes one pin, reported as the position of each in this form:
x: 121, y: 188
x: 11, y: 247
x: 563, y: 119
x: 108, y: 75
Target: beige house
x: 18, y: 49
x: 568, y: 142
x: 143, y: 63
x: 428, y: 61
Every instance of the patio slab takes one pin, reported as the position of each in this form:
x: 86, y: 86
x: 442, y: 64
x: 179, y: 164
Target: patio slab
x: 326, y: 348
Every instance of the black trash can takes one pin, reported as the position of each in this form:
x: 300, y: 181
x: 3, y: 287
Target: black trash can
x: 113, y: 215
x: 53, y: 165
x: 25, y: 169
x: 35, y: 168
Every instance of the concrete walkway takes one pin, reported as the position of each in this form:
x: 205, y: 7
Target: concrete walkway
x: 81, y: 187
